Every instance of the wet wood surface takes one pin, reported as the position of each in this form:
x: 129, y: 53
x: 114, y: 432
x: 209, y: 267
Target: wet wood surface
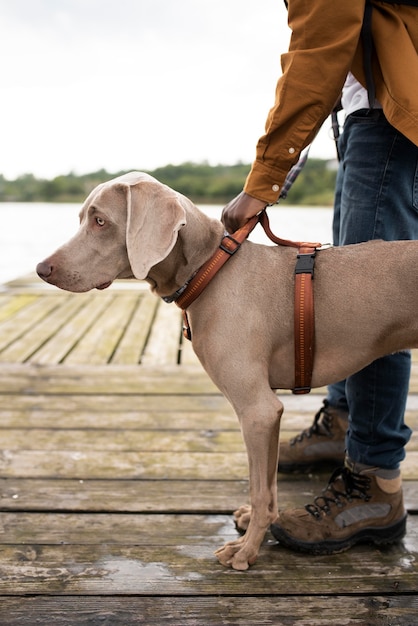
x: 121, y: 465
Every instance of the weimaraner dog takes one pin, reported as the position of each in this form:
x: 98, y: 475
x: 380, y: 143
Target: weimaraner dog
x: 242, y: 324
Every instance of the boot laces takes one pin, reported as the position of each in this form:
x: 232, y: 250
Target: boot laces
x: 321, y: 429
x: 355, y: 487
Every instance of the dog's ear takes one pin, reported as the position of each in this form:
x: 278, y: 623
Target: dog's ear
x: 154, y: 217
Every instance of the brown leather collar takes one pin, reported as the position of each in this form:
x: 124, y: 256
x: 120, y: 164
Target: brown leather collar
x: 304, y: 301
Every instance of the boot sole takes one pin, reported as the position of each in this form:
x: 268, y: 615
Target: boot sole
x: 378, y: 536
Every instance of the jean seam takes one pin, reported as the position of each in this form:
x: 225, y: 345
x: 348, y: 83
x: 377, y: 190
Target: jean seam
x: 383, y: 189
x: 415, y: 189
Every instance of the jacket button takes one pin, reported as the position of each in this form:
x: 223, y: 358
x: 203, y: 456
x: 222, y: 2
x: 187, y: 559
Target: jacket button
x: 275, y: 188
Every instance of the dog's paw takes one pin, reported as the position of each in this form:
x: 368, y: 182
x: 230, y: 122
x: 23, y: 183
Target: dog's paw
x: 234, y: 554
x: 242, y: 518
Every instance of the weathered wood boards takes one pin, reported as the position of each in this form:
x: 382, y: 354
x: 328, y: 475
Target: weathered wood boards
x: 120, y: 466
x: 126, y: 327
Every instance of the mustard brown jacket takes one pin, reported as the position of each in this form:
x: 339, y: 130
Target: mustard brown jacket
x: 325, y: 45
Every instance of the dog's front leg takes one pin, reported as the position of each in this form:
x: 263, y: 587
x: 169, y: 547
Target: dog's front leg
x: 260, y: 424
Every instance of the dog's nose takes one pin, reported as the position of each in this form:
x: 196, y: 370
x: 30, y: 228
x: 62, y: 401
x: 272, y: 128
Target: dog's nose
x: 44, y: 270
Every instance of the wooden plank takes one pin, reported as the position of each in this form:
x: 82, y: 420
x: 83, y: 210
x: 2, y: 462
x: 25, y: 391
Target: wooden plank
x: 26, y: 318
x: 11, y: 304
x: 134, y: 496
x: 120, y: 440
x: 78, y: 408
x: 174, y: 412
x: 63, y: 341
x: 158, y: 496
x: 102, y: 464
x: 158, y: 563
x: 320, y: 610
x: 148, y: 529
x: 31, y: 402
x: 122, y: 529
x: 82, y: 379
x: 100, y: 340
x: 131, y: 347
x: 164, y: 340
x: 114, y: 379
x: 112, y: 417
x: 28, y: 344
x: 16, y: 378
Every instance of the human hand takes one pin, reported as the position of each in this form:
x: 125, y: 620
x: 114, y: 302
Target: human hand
x: 237, y: 212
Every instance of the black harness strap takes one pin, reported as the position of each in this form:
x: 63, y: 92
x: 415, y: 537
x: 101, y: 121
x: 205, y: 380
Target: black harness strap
x: 366, y: 36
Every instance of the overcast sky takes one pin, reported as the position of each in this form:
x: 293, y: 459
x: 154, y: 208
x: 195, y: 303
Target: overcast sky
x: 137, y: 84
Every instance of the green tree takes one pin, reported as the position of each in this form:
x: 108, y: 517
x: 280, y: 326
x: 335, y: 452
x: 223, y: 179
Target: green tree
x: 201, y: 182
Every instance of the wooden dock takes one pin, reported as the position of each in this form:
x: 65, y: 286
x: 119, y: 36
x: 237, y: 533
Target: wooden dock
x: 120, y: 466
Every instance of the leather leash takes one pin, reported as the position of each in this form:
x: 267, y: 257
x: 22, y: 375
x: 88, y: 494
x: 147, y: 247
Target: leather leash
x: 304, y: 300
x: 228, y: 246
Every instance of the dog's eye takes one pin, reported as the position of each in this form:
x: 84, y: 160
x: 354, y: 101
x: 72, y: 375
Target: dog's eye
x: 99, y: 221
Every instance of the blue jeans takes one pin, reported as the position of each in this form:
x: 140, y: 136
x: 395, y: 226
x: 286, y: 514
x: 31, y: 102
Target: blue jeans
x: 376, y: 198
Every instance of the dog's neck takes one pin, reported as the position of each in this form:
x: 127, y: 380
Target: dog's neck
x: 196, y: 242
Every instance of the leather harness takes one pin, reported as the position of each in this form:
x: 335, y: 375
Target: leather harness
x: 304, y: 299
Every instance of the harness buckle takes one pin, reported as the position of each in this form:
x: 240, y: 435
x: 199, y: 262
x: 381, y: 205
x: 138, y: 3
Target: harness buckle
x: 301, y: 390
x: 225, y: 243
x: 305, y: 263
x: 187, y: 331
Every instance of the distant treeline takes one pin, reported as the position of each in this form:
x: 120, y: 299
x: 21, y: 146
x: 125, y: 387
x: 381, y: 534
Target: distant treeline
x: 201, y: 182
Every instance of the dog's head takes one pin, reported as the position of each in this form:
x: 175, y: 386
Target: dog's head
x: 127, y: 225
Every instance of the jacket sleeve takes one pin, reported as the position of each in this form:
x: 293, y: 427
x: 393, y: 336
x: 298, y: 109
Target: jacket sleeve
x: 325, y: 37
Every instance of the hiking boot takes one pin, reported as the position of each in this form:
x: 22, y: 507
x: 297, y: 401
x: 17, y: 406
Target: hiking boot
x: 323, y: 442
x: 354, y: 508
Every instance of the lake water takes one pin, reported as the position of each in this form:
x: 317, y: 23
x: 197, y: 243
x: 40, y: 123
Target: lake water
x: 31, y: 231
